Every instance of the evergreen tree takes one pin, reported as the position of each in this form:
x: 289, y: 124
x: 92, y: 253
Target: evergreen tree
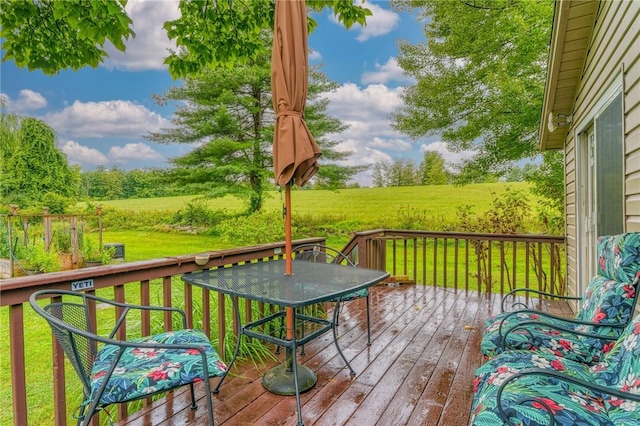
x: 227, y: 114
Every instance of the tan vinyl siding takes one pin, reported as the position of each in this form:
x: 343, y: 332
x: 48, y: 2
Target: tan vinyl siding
x: 631, y: 102
x: 614, y: 47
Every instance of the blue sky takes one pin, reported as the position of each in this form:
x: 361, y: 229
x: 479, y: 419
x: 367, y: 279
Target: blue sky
x: 101, y: 115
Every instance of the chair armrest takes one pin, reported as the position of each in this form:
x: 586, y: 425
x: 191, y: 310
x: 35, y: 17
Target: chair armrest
x: 546, y: 316
x: 523, y: 326
x: 559, y: 376
x: 537, y: 292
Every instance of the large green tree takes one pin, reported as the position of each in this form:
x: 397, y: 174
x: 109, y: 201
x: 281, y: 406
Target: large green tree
x: 53, y: 35
x: 479, y: 78
x: 228, y: 115
x: 402, y: 172
x: 32, y: 168
x: 432, y: 170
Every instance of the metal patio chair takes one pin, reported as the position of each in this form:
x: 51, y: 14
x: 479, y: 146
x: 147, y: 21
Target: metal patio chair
x: 114, y: 371
x: 604, y: 310
x: 539, y: 388
x: 323, y: 253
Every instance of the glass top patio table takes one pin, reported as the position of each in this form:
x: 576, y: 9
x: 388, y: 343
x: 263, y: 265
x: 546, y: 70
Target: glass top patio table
x: 311, y: 282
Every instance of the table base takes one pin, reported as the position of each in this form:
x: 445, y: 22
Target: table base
x: 280, y: 380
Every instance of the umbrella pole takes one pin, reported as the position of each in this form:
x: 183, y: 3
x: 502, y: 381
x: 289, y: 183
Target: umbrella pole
x: 287, y: 378
x: 287, y: 250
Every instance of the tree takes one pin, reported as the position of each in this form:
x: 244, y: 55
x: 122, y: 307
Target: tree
x: 32, y: 167
x: 432, y: 170
x: 479, y: 78
x: 53, y: 35
x: 548, y: 178
x: 397, y: 173
x: 228, y: 115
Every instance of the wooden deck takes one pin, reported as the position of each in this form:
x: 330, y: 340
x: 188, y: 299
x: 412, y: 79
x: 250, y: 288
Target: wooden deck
x: 418, y: 371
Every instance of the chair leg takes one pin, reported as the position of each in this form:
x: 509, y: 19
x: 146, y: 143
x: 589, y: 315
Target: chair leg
x: 207, y: 388
x: 368, y: 324
x: 193, y: 397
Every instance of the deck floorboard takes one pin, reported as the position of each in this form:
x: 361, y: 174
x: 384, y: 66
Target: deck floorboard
x: 418, y: 371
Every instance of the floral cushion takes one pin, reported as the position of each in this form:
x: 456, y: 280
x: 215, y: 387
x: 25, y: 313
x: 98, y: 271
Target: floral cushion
x: 571, y: 404
x: 608, y: 301
x: 141, y: 372
x: 618, y: 256
x: 524, y: 399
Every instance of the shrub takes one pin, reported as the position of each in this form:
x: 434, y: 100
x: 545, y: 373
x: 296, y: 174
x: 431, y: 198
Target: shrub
x: 197, y: 213
x: 257, y: 228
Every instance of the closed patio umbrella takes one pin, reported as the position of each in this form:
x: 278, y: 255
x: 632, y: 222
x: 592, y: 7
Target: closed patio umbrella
x: 295, y: 152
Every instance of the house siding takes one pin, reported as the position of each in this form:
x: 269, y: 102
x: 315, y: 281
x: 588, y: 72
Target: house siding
x: 613, y: 56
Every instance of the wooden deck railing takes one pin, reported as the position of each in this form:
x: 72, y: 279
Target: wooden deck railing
x: 483, y: 262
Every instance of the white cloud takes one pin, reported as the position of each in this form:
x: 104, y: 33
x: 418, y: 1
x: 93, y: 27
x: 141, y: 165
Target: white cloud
x: 389, y: 71
x: 314, y: 55
x: 27, y: 101
x: 83, y: 155
x: 150, y: 46
x: 370, y: 137
x: 381, y: 22
x: 449, y: 157
x: 103, y: 119
x: 372, y: 103
x: 134, y: 152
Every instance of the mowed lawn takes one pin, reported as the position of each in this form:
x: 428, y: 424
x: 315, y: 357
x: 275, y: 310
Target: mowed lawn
x: 368, y: 208
x: 358, y: 203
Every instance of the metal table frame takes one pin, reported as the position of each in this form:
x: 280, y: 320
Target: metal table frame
x: 310, y: 283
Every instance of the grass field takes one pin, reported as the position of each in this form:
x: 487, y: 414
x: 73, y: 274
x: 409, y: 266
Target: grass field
x: 360, y: 209
x: 363, y: 203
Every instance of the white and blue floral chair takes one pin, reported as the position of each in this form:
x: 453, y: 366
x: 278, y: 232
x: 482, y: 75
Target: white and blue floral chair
x: 115, y: 371
x: 605, y: 310
x: 541, y: 389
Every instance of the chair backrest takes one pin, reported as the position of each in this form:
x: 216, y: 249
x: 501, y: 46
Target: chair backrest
x: 620, y: 367
x: 321, y: 253
x: 70, y: 322
x: 612, y: 294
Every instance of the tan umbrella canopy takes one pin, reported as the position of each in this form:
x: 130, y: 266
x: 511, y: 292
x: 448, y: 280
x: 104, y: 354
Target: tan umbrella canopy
x: 295, y: 153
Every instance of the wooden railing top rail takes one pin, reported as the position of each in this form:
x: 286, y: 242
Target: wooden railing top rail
x: 17, y: 290
x: 399, y: 233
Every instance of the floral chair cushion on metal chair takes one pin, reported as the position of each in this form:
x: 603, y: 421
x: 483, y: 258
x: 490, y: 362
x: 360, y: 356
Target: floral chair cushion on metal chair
x: 112, y: 370
x: 607, y: 307
x: 536, y: 388
x: 614, y: 303
x: 142, y: 371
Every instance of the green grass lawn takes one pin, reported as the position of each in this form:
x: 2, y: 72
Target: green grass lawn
x: 360, y: 209
x: 366, y: 204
